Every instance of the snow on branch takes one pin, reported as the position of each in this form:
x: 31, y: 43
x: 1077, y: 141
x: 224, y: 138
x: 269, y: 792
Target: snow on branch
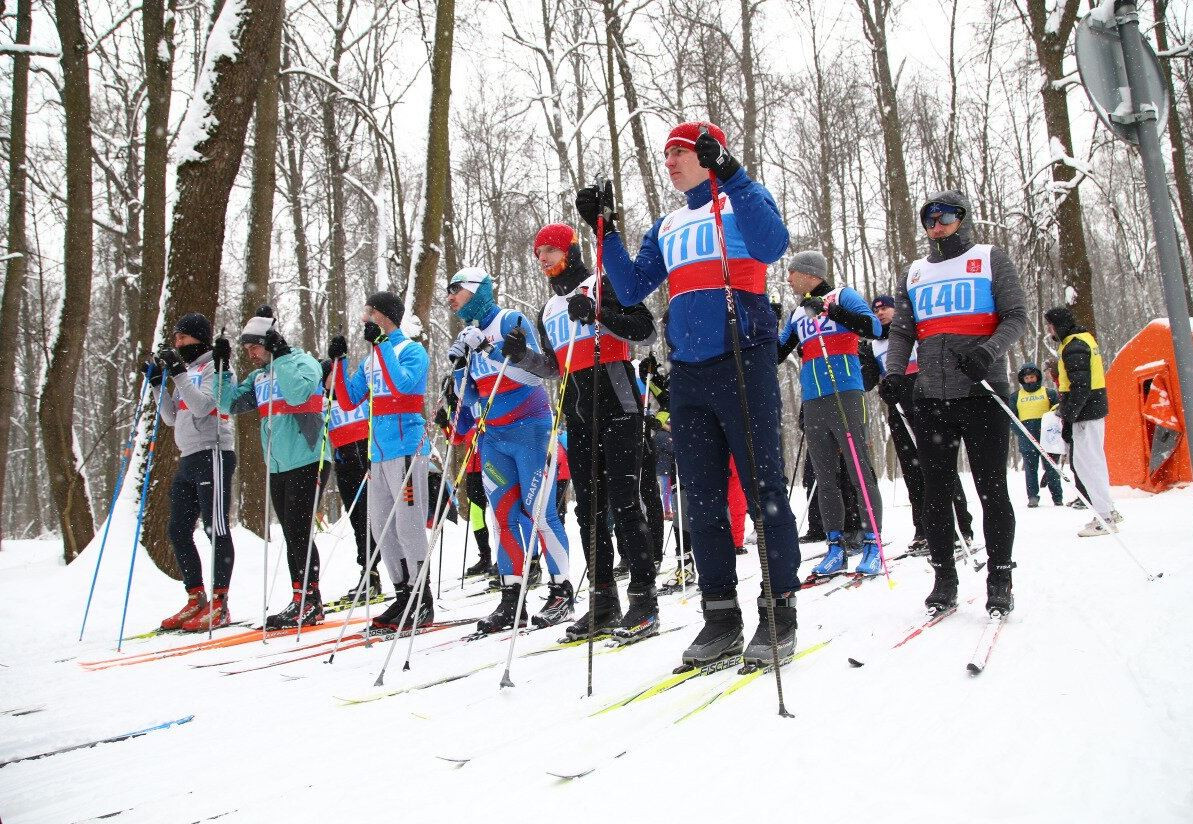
x: 223, y: 43
x: 32, y: 51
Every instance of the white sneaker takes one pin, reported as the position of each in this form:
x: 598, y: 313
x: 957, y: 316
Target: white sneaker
x: 1095, y: 528
x: 1115, y: 517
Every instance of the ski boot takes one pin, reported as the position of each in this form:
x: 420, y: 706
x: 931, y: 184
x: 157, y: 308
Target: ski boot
x: 1033, y: 501
x: 999, y: 598
x: 918, y: 546
x: 721, y: 638
x: 944, y: 592
x: 871, y: 563
x: 608, y: 616
x: 196, y: 602
x: 834, y: 561
x: 758, y: 651
x: 622, y: 570
x: 387, y: 621
x: 369, y: 586
x: 214, y: 613
x: 561, y: 601
x: 811, y: 539
x: 685, y: 575
x: 503, y: 617
x: 426, y: 610
x: 641, y: 619
x: 478, y: 569
x: 312, y: 609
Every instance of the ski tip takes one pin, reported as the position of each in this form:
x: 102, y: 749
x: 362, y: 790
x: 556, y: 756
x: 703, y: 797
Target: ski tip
x: 562, y: 776
x: 853, y: 662
x: 973, y: 669
x: 458, y: 761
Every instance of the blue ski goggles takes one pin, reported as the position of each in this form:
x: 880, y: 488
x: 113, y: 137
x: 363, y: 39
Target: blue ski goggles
x: 945, y: 214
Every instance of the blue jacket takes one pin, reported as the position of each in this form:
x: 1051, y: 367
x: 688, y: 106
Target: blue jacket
x: 398, y: 375
x: 697, y: 328
x: 839, y: 341
x: 520, y: 397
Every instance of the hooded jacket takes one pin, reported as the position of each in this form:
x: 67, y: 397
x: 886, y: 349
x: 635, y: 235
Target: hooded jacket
x: 999, y: 325
x: 1084, y: 397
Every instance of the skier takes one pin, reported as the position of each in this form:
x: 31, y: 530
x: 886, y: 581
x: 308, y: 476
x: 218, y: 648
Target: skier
x: 684, y: 249
x: 348, y: 432
x: 1083, y: 410
x: 1030, y: 402
x: 568, y: 315
x: 285, y: 389
x: 964, y: 305
x: 514, y: 444
x: 828, y: 324
x: 393, y: 380
x: 200, y: 432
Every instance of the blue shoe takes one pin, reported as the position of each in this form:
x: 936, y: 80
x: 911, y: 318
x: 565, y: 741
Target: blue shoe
x: 834, y: 560
x: 871, y: 563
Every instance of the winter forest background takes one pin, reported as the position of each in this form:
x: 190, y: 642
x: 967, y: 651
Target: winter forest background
x: 365, y: 144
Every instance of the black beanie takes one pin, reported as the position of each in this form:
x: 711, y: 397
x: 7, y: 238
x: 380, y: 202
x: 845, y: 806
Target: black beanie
x: 1061, y: 318
x: 388, y: 304
x: 195, y: 325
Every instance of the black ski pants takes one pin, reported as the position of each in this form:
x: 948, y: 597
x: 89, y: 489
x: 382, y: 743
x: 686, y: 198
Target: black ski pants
x: 940, y: 428
x: 618, y: 464
x: 352, y: 465
x: 293, y: 495
x: 191, y: 497
x: 652, y: 499
x: 475, y: 484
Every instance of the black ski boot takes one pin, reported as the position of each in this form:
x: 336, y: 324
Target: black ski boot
x: 388, y: 619
x: 622, y: 570
x: 312, y: 610
x: 561, y: 601
x: 371, y: 585
x: 426, y: 609
x: 758, y: 652
x: 944, y: 592
x: 503, y: 617
x: 721, y: 637
x: 999, y: 598
x: 481, y: 567
x: 641, y: 619
x: 608, y: 615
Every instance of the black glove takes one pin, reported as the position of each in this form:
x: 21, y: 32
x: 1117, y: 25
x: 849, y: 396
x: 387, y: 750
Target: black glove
x: 373, y: 333
x: 171, y: 361
x: 337, y: 347
x: 976, y: 364
x: 441, y: 418
x: 513, y: 345
x: 712, y: 155
x: 1066, y: 431
x: 647, y: 367
x: 582, y: 308
x: 814, y: 303
x: 152, y: 373
x: 275, y: 344
x: 449, y: 391
x: 592, y: 201
x: 654, y: 423
x: 891, y: 389
x: 221, y: 354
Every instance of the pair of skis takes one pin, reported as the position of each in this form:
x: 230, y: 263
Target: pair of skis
x: 985, y: 647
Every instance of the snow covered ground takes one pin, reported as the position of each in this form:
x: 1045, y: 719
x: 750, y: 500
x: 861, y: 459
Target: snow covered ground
x: 1084, y: 714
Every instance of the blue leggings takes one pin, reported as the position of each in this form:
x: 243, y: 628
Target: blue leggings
x: 513, y: 460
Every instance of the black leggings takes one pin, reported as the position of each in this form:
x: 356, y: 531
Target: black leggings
x: 191, y: 497
x: 352, y: 464
x: 293, y: 496
x: 905, y: 451
x: 474, y: 482
x: 940, y: 427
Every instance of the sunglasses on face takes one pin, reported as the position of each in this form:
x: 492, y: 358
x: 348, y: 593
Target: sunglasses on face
x: 454, y: 288
x: 941, y: 215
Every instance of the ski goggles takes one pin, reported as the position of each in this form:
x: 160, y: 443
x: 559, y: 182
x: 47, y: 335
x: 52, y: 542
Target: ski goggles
x: 943, y: 213
x: 453, y: 288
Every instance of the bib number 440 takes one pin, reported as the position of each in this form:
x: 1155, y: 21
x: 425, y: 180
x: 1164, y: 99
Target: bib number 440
x: 950, y: 297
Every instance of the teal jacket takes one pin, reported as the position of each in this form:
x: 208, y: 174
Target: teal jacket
x: 297, y: 419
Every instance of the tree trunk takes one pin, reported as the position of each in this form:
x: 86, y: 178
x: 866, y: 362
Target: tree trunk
x: 749, y: 121
x: 206, y: 174
x: 611, y: 106
x: 438, y: 167
x: 294, y: 184
x: 56, y: 410
x: 1176, y: 136
x: 642, y: 150
x: 18, y: 248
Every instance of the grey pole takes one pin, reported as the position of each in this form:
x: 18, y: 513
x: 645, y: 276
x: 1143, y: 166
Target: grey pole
x: 1127, y: 18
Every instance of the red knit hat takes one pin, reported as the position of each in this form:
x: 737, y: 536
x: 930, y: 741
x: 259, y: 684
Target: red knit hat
x: 685, y: 135
x: 559, y: 235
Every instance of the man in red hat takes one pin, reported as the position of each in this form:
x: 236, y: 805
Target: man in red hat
x: 566, y: 320
x: 683, y: 249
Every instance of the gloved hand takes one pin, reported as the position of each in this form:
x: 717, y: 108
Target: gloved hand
x: 712, y: 155
x: 592, y: 201
x: 1066, y: 431
x: 653, y: 423
x: 275, y: 344
x: 450, y: 398
x: 441, y: 418
x: 373, y: 333
x: 513, y: 345
x: 891, y: 389
x: 337, y: 347
x: 153, y: 373
x: 647, y: 366
x: 582, y: 308
x: 812, y: 305
x: 470, y: 340
x: 221, y: 354
x: 171, y: 361
x: 976, y: 364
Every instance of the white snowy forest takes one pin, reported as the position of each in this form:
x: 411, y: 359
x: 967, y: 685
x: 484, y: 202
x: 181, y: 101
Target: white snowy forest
x: 165, y: 156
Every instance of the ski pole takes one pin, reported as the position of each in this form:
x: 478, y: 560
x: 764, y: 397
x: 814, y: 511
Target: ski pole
x: 756, y: 505
x: 125, y: 454
x: 268, y: 503
x: 857, y: 464
x: 467, y: 535
x: 149, y: 453
x: 683, y: 549
x: 1110, y: 531
x: 306, y: 567
x: 595, y: 446
x: 219, y: 526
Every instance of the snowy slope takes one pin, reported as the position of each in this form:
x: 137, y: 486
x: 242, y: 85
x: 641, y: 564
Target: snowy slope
x: 1085, y: 713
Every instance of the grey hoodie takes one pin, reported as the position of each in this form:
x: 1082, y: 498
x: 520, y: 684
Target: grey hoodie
x: 189, y: 409
x: 939, y: 356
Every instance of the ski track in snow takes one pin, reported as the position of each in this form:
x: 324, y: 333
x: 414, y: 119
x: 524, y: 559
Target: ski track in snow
x: 1083, y: 714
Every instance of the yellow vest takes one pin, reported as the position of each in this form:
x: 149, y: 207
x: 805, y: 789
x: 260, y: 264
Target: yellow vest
x: 1097, y: 375
x: 1031, y: 406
